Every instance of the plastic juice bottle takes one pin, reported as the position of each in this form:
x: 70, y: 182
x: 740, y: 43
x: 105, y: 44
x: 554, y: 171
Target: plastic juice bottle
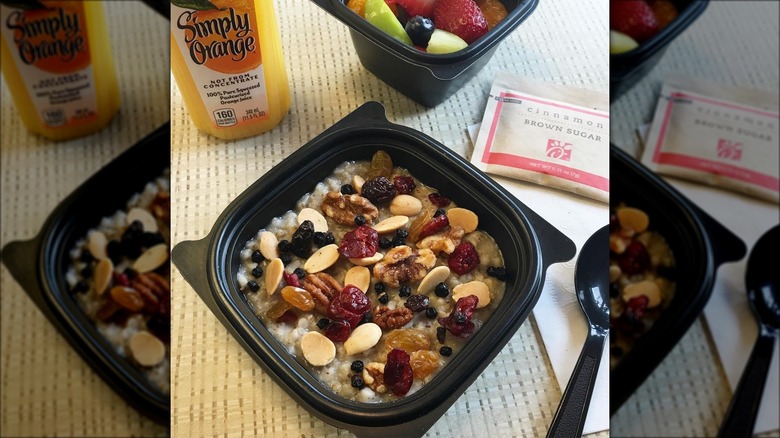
x: 57, y: 64
x: 226, y: 56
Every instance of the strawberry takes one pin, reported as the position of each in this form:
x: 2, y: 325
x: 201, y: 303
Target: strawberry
x: 633, y: 18
x: 461, y: 17
x: 416, y: 7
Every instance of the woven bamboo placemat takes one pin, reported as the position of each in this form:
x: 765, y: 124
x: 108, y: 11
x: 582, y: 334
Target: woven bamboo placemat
x: 47, y: 389
x: 218, y: 389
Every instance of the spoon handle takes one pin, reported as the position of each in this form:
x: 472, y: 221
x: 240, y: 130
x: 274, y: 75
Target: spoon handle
x: 741, y: 415
x: 570, y: 417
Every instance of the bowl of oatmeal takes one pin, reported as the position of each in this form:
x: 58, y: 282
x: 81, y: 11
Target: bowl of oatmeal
x: 288, y: 341
x: 51, y: 265
x: 686, y: 246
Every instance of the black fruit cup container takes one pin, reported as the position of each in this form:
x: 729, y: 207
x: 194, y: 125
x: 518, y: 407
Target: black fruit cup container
x: 528, y: 243
x: 626, y: 69
x: 425, y: 78
x: 39, y: 265
x: 699, y: 244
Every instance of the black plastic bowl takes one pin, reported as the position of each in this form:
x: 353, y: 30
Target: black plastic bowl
x: 529, y: 245
x: 40, y: 264
x: 425, y: 78
x: 626, y: 69
x: 699, y: 244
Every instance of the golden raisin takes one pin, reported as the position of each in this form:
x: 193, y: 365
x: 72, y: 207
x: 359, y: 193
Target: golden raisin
x: 298, y: 298
x: 409, y: 340
x: 424, y: 362
x: 128, y: 298
x: 278, y: 310
x: 420, y: 222
x: 493, y: 10
x: 381, y: 165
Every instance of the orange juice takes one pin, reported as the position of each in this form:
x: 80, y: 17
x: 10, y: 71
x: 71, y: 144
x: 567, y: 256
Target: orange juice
x: 226, y: 56
x: 57, y: 64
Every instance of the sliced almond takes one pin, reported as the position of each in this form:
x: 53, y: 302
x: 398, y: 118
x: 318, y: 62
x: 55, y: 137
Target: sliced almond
x: 358, y: 276
x: 633, y: 219
x: 96, y: 243
x: 357, y: 183
x: 152, y: 258
x: 317, y: 349
x: 103, y: 272
x: 368, y: 261
x: 405, y: 205
x: 273, y: 275
x: 310, y: 214
x: 323, y: 259
x: 614, y: 273
x: 461, y: 217
x: 434, y: 277
x: 147, y: 220
x: 477, y: 288
x: 391, y: 224
x: 362, y: 338
x: 648, y: 288
x: 146, y: 349
x: 269, y: 245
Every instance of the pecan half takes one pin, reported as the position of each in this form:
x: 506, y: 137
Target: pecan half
x: 374, y: 376
x: 402, y: 264
x: 390, y: 319
x: 322, y: 288
x: 155, y: 291
x: 344, y: 208
x: 444, y: 241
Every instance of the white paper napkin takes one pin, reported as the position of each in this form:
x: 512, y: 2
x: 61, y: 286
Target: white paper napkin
x: 558, y: 314
x: 731, y: 321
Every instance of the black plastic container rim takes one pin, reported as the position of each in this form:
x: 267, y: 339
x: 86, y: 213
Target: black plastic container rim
x: 423, y: 59
x: 47, y: 289
x: 662, y: 38
x: 719, y: 246
x: 253, y: 335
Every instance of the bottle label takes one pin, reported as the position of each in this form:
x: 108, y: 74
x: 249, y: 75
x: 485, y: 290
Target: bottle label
x: 222, y: 52
x: 48, y: 41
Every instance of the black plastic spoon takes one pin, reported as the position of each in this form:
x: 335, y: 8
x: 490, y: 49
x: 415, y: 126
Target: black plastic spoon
x: 762, y: 281
x: 591, y: 279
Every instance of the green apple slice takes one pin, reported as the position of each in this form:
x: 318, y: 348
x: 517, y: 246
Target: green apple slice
x: 445, y: 42
x: 380, y: 15
x: 620, y: 42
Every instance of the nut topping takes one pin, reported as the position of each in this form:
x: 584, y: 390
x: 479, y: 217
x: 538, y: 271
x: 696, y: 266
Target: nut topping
x: 146, y: 349
x: 367, y: 261
x: 102, y: 276
x: 268, y: 245
x: 96, y: 243
x: 273, y: 276
x: 632, y: 219
x: 374, y: 376
x: 310, y: 214
x: 323, y: 259
x: 362, y: 338
x: 436, y: 276
x: 317, y: 349
x: 405, y: 205
x: 445, y: 241
x: 402, y: 264
x: 322, y: 288
x: 389, y: 319
x: 141, y: 215
x: 152, y: 258
x: 391, y: 224
x: 463, y: 218
x: 477, y: 288
x: 360, y: 277
x: 344, y: 208
x: 648, y: 288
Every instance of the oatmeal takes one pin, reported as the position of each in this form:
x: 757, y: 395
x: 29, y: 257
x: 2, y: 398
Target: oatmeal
x: 375, y: 281
x: 121, y: 279
x: 641, y: 267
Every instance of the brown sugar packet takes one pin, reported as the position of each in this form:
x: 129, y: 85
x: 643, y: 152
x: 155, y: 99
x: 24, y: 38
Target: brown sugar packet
x: 549, y: 134
x: 719, y: 135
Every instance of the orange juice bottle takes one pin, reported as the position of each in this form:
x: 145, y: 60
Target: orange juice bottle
x: 226, y: 56
x: 57, y: 64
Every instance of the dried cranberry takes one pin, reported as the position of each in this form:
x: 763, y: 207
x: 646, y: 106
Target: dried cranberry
x: 637, y: 306
x: 630, y: 321
x: 398, y: 372
x: 378, y: 189
x: 338, y: 331
x: 350, y: 306
x: 436, y: 224
x: 361, y: 242
x: 438, y: 200
x: 458, y: 322
x: 120, y: 279
x: 289, y: 317
x: 404, y: 184
x: 417, y: 303
x: 634, y: 259
x: 463, y: 259
x: 291, y: 279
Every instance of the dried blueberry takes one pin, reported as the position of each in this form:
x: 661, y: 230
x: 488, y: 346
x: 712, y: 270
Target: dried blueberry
x: 301, y: 239
x: 80, y: 286
x: 114, y: 251
x: 319, y: 239
x: 87, y: 256
x: 432, y: 313
x: 367, y: 317
x: 442, y: 290
x: 379, y: 287
x: 150, y: 239
x: 300, y: 273
x: 417, y: 303
x: 323, y: 323
x: 360, y: 219
x: 498, y: 272
x: 614, y: 290
x: 398, y: 241
x: 438, y: 212
x: 347, y: 189
x: 384, y: 298
x: 445, y: 351
x: 357, y: 382
x: 405, y: 291
x: 378, y: 189
x: 86, y: 272
x: 257, y: 256
x: 385, y: 243
x: 286, y: 259
x: 330, y: 239
x: 441, y: 334
x: 253, y: 286
x: 130, y: 272
x: 257, y: 272
x: 283, y: 245
x: 357, y: 366
x: 402, y: 233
